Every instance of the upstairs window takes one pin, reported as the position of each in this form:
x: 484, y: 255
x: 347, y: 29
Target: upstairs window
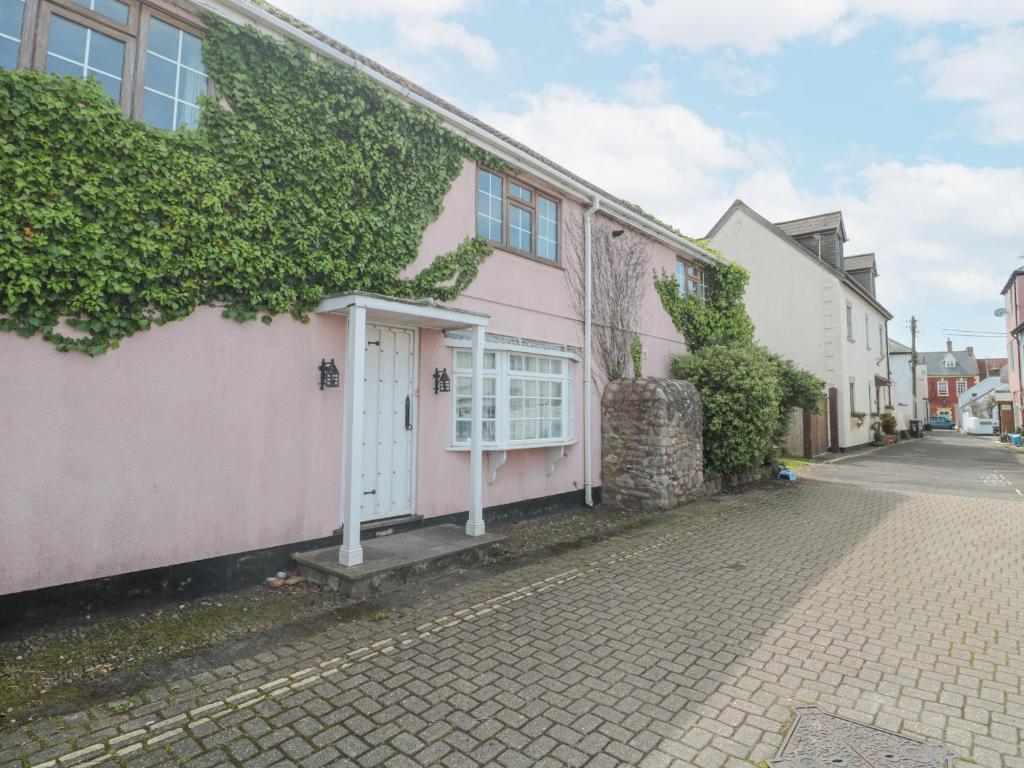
x: 175, y: 77
x: 547, y: 229
x: 691, y: 280
x: 147, y: 61
x: 849, y: 322
x: 516, y: 216
x: 490, y: 205
x: 12, y: 13
x: 77, y: 50
x: 942, y: 388
x: 949, y: 362
x: 867, y: 336
x: 961, y: 386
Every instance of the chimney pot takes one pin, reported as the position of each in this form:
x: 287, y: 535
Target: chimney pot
x: 970, y: 351
x: 949, y: 345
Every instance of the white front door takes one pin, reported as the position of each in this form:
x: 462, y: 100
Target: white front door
x: 389, y: 419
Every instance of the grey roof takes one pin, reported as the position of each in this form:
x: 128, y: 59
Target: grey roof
x: 775, y: 229
x: 966, y: 365
x: 895, y: 348
x: 809, y: 225
x: 860, y: 261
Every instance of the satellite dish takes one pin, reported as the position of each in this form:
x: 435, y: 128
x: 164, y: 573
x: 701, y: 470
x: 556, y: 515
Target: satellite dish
x: 1000, y: 312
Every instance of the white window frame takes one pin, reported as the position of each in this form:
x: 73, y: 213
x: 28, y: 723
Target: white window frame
x: 942, y: 388
x: 503, y: 373
x: 961, y: 386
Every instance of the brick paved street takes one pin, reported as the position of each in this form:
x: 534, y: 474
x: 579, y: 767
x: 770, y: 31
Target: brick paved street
x: 683, y: 643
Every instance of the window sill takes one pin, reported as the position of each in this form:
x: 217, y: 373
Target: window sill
x: 524, y: 254
x: 514, y: 447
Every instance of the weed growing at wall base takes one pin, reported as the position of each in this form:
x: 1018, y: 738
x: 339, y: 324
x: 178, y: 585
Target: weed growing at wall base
x: 305, y: 180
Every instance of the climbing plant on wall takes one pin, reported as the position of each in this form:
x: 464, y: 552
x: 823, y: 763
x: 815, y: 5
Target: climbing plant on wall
x: 748, y: 394
x: 721, y: 318
x: 306, y: 180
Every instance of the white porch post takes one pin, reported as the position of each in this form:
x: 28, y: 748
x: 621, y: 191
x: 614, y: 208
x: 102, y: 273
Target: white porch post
x: 475, y: 523
x: 351, y: 552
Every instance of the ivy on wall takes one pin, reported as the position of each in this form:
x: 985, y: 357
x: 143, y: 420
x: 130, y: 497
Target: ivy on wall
x: 306, y: 180
x: 747, y: 393
x: 721, y: 318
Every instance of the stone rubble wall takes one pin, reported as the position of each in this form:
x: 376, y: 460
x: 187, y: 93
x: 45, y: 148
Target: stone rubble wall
x: 651, y: 443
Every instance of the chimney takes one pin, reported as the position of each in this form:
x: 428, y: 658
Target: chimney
x: 949, y: 345
x: 970, y: 351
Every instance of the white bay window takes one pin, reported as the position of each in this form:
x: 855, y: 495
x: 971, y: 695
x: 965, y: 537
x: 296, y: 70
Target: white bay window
x: 527, y: 399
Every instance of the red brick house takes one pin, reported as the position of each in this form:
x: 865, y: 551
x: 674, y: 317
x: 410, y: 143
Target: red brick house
x: 950, y: 374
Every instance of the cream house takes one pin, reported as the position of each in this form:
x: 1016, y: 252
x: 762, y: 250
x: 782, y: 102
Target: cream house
x: 816, y: 306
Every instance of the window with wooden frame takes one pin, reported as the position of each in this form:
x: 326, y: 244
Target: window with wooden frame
x: 516, y: 216
x: 849, y: 321
x: 691, y: 280
x: 942, y: 388
x: 148, y: 58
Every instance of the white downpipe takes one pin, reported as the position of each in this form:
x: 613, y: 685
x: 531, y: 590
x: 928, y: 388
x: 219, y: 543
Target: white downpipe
x: 588, y: 312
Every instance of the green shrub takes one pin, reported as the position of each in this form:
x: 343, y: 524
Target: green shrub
x: 740, y: 391
x: 798, y: 388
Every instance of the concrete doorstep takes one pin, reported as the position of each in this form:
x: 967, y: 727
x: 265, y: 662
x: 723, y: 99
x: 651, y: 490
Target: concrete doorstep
x: 391, y: 561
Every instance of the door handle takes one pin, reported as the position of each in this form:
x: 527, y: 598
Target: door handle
x: 408, y: 412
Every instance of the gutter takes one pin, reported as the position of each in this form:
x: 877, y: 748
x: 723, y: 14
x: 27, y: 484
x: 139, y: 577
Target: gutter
x: 588, y: 354
x: 498, y: 146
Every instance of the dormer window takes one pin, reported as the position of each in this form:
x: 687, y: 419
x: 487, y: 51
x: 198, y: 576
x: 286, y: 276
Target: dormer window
x: 949, y: 361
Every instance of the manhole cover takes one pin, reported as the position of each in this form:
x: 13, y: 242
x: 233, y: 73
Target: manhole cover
x: 820, y: 740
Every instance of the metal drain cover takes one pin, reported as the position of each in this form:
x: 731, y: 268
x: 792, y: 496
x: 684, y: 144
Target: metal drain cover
x: 820, y: 740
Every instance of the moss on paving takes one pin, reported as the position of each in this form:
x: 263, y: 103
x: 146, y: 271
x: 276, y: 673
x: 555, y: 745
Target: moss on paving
x: 45, y: 668
x: 48, y: 670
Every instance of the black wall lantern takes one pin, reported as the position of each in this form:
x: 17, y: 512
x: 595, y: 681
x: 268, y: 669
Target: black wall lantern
x: 328, y: 374
x: 441, y: 381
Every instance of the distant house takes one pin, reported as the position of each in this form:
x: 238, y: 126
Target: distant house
x: 982, y: 402
x: 950, y: 374
x: 903, y: 375
x: 816, y: 306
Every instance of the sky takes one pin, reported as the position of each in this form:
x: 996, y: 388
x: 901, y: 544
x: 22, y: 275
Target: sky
x: 907, y: 115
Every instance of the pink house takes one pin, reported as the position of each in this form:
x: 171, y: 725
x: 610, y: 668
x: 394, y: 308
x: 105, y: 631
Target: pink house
x: 206, y: 441
x: 1013, y: 298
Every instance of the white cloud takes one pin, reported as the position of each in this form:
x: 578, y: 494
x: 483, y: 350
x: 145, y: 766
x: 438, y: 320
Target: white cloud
x: 940, y: 229
x: 736, y: 78
x: 663, y: 157
x: 421, y: 26
x: 758, y: 28
x: 989, y: 73
x: 649, y: 87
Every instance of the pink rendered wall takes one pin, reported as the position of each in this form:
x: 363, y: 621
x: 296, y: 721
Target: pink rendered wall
x: 529, y: 299
x: 205, y: 437
x: 195, y: 439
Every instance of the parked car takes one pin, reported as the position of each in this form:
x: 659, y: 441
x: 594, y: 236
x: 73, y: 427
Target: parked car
x: 941, y: 422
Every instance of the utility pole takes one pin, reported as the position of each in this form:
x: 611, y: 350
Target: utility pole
x: 913, y: 361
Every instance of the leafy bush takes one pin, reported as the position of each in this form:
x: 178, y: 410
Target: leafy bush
x: 740, y: 391
x: 799, y: 389
x: 888, y: 423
